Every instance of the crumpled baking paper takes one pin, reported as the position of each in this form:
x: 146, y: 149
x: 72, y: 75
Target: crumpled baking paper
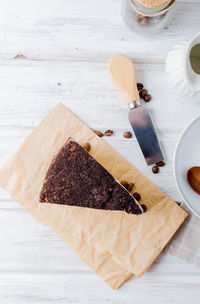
x: 113, y: 243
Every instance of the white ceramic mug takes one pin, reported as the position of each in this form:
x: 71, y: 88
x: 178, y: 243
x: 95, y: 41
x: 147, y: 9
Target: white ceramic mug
x: 183, y: 67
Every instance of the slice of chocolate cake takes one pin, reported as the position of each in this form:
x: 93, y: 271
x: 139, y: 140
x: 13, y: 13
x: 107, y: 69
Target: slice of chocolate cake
x: 75, y: 178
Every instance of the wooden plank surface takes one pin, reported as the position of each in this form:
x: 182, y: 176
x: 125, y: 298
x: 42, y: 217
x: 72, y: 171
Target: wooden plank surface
x: 85, y: 29
x: 69, y: 42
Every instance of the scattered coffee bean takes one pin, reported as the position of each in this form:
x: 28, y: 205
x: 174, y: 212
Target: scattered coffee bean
x: 144, y: 207
x: 137, y: 196
x: 108, y: 132
x: 140, y: 86
x: 127, y: 134
x: 147, y: 98
x: 160, y: 163
x: 130, y: 187
x: 86, y: 147
x: 59, y: 83
x: 124, y: 183
x: 143, y: 93
x: 155, y: 169
x: 99, y: 133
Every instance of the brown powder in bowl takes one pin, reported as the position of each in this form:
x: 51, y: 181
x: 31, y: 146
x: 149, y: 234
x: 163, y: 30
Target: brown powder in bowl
x: 153, y: 3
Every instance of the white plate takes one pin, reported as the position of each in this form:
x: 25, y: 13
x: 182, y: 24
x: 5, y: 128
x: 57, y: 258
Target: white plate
x: 187, y: 154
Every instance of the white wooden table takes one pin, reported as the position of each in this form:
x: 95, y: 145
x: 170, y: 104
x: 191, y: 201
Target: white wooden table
x: 69, y: 42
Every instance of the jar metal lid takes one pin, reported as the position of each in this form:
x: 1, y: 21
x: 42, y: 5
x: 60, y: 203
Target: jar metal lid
x: 153, y: 3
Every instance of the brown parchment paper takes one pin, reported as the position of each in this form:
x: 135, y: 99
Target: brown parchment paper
x: 112, y: 243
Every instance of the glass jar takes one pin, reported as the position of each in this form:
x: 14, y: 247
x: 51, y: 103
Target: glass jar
x: 147, y: 17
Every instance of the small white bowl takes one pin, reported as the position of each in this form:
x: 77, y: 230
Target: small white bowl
x: 181, y: 77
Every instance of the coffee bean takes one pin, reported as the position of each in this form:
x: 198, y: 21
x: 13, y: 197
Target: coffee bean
x: 147, y: 98
x: 127, y: 134
x: 124, y: 183
x: 155, y: 169
x: 138, y: 211
x: 86, y: 147
x: 144, y: 207
x: 160, y: 163
x: 99, y: 133
x: 108, y: 132
x: 59, y: 83
x: 143, y: 93
x: 130, y: 187
x: 140, y: 86
x: 137, y: 196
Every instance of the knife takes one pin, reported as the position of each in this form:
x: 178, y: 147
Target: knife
x: 122, y: 73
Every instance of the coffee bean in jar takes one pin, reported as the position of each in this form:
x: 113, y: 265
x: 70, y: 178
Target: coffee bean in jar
x: 147, y: 17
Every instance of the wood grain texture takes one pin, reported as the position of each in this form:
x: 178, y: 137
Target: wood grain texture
x: 85, y: 29
x: 122, y: 73
x: 65, y: 46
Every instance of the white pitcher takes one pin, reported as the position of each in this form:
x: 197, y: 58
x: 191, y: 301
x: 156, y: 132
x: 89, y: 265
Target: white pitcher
x: 183, y: 67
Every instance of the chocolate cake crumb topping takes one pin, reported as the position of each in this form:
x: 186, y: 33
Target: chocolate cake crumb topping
x: 75, y: 178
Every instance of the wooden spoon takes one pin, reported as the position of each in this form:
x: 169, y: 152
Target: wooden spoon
x: 193, y: 178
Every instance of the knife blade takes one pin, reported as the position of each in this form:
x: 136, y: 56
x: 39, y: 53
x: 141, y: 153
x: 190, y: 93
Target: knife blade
x: 122, y: 73
x: 145, y: 133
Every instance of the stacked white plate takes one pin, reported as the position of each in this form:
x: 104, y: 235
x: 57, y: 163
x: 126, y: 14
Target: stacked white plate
x: 187, y: 155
